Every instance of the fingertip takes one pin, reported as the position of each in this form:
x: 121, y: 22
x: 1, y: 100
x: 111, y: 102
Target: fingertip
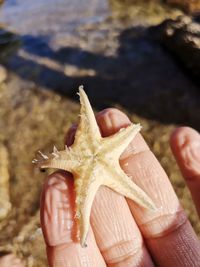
x: 185, y: 144
x: 181, y: 134
x: 111, y: 120
x: 60, y: 179
x: 181, y: 138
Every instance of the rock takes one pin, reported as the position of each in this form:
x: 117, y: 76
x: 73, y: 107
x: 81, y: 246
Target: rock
x: 191, y: 6
x: 9, y: 43
x: 3, y: 74
x: 182, y: 38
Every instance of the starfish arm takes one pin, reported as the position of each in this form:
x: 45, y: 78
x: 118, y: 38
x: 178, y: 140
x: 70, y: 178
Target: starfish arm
x: 64, y: 160
x: 122, y: 184
x: 85, y: 193
x: 118, y: 142
x: 88, y: 129
x: 56, y: 164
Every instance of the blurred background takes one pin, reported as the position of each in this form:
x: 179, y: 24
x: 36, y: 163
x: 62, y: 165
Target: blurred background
x: 140, y: 56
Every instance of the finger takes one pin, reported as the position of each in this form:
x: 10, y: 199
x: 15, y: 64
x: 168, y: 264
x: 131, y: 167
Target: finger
x: 69, y: 138
x: 185, y: 144
x: 59, y: 226
x: 168, y: 233
x: 115, y: 230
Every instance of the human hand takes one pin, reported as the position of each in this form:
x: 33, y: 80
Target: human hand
x: 122, y: 233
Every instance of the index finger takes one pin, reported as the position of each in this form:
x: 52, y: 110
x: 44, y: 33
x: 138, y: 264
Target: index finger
x: 168, y: 233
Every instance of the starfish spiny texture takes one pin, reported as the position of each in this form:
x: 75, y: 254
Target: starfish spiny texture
x: 94, y: 161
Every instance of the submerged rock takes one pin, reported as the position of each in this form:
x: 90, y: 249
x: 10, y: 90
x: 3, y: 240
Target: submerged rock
x: 182, y: 38
x: 192, y: 6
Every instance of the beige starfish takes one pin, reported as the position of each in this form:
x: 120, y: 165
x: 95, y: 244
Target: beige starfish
x: 94, y: 161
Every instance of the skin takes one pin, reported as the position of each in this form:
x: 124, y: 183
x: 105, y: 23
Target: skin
x: 122, y: 233
x: 11, y: 260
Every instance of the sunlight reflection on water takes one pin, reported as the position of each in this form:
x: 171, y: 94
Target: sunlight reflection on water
x: 45, y: 17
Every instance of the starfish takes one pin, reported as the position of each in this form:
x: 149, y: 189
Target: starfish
x: 94, y: 161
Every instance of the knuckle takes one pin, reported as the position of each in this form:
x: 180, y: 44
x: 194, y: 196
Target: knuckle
x: 122, y: 251
x: 164, y: 225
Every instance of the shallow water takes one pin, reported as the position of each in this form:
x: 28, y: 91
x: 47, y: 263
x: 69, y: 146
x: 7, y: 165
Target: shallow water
x: 104, y: 45
x: 48, y: 17
x: 44, y: 27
